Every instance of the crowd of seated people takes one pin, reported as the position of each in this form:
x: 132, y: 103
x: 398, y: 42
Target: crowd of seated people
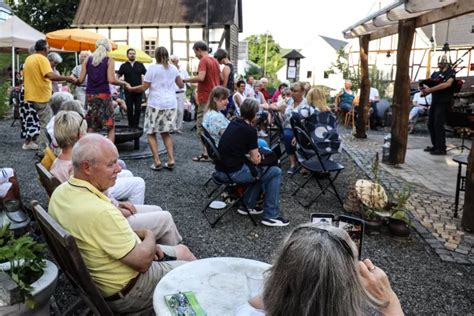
x: 142, y: 243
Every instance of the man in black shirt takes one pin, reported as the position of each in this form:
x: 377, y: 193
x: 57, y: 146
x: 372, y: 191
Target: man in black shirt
x: 442, y: 98
x: 133, y: 72
x: 241, y: 160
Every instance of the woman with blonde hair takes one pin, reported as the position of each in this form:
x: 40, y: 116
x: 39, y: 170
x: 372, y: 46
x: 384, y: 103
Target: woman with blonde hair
x: 214, y: 121
x: 69, y: 126
x: 317, y: 99
x: 100, y: 72
x: 161, y: 112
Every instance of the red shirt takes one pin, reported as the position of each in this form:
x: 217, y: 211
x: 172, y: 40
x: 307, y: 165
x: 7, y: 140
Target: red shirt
x: 212, y: 79
x: 265, y: 93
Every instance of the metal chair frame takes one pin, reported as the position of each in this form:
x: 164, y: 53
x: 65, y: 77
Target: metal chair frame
x: 322, y: 165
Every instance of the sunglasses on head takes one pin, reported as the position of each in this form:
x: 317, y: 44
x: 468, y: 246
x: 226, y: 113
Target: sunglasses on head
x: 79, y: 128
x: 331, y: 235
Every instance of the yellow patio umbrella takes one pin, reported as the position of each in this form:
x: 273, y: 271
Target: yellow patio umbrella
x: 74, y: 40
x: 120, y: 54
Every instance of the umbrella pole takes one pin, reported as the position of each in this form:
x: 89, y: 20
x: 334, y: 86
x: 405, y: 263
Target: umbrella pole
x: 13, y: 66
x: 76, y: 58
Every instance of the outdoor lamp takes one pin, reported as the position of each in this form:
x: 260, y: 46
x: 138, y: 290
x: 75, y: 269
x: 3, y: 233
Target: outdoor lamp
x: 446, y: 47
x: 386, y: 148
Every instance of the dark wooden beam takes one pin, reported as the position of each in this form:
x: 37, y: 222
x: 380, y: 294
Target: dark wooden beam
x: 361, y: 122
x: 467, y: 221
x: 401, y: 93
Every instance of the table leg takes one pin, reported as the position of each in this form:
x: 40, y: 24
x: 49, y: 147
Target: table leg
x: 456, y: 199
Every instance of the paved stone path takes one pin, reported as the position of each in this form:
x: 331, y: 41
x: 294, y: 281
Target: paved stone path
x: 433, y: 183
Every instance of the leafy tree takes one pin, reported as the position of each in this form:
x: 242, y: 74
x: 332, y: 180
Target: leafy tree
x: 45, y: 15
x: 378, y: 79
x: 341, y: 65
x: 256, y: 45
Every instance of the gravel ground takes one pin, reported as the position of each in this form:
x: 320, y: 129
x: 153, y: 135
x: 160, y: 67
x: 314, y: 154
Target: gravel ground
x: 424, y: 283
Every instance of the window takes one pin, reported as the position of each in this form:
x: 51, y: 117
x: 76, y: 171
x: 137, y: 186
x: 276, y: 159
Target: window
x: 149, y: 47
x: 309, y: 74
x: 326, y: 75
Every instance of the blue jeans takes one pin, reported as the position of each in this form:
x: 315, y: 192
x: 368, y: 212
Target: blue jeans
x: 346, y: 107
x: 415, y: 112
x: 269, y: 183
x: 287, y: 138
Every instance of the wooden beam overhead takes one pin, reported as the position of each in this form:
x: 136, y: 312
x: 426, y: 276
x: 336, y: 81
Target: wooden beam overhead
x: 414, y: 6
x: 461, y: 7
x: 383, y: 20
x: 384, y: 32
x: 400, y: 13
x: 386, y: 21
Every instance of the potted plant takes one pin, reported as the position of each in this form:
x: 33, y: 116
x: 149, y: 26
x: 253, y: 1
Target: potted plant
x: 373, y: 198
x: 22, y: 259
x: 399, y: 221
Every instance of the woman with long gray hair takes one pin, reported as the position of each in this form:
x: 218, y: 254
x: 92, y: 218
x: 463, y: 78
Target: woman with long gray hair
x: 316, y: 272
x: 100, y: 72
x: 160, y: 115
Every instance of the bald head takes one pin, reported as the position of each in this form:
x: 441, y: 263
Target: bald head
x: 90, y: 148
x: 94, y: 158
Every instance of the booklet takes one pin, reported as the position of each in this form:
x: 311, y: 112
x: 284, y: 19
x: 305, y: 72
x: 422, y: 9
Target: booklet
x: 184, y: 304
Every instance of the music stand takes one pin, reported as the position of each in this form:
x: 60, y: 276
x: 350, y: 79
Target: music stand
x: 463, y: 131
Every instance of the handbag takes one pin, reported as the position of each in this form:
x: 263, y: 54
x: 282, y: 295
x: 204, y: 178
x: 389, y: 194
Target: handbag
x: 269, y: 158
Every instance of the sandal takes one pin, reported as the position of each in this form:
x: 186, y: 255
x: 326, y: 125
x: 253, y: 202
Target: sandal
x: 156, y: 167
x: 169, y: 166
x: 202, y: 158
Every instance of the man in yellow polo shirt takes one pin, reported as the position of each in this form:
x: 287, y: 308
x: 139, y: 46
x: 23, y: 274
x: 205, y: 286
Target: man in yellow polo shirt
x: 38, y: 74
x: 120, y: 261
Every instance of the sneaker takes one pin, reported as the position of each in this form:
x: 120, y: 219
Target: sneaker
x: 292, y: 169
x: 30, y: 146
x: 252, y: 211
x: 262, y: 134
x: 275, y: 222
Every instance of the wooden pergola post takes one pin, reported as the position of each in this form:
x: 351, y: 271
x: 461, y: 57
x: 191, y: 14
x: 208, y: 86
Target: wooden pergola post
x: 401, y: 93
x: 361, y: 122
x: 467, y: 221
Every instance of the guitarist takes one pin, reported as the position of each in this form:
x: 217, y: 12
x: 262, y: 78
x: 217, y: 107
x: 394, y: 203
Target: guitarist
x: 442, y: 95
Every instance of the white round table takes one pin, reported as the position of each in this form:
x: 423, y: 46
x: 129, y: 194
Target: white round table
x: 219, y: 284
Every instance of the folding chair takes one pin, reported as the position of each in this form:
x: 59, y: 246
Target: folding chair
x: 297, y: 121
x: 317, y: 167
x: 48, y: 181
x: 274, y: 136
x: 221, y: 185
x: 206, y: 184
x: 67, y: 255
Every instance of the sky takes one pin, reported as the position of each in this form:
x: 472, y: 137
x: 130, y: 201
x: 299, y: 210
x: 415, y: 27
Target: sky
x: 292, y: 22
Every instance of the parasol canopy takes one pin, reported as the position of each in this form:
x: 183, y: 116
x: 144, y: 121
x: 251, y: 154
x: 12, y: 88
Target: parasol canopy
x: 120, y: 54
x: 74, y: 40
